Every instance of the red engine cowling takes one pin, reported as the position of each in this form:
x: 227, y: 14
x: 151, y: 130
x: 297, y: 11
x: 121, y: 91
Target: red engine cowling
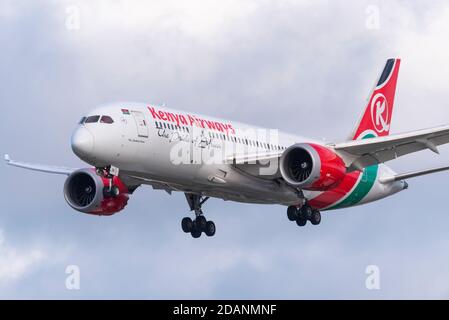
x: 86, y: 191
x: 311, y: 167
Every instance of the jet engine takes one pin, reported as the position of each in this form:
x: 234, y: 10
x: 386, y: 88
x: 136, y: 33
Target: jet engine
x: 311, y: 167
x: 88, y: 192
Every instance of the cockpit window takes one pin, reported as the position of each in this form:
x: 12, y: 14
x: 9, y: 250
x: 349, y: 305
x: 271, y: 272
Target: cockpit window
x: 92, y: 119
x: 82, y: 120
x: 106, y: 119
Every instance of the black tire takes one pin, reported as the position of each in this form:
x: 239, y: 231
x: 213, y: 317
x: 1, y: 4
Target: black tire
x: 115, y: 191
x: 111, y: 192
x: 301, y: 221
x: 306, y: 212
x: 195, y: 233
x: 210, y: 229
x: 201, y: 222
x: 316, y: 217
x: 292, y: 213
x: 187, y: 225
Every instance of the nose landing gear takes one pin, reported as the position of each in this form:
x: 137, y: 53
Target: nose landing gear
x: 304, y: 214
x: 108, y: 173
x: 200, y: 224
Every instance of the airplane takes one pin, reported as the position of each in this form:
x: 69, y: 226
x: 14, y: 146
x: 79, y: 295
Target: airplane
x: 133, y: 144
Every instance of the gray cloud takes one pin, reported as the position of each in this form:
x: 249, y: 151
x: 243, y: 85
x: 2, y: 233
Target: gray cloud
x: 304, y: 68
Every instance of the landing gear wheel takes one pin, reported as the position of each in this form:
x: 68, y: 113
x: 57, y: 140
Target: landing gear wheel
x: 210, y: 229
x: 115, y: 191
x: 315, y: 219
x: 306, y: 212
x: 301, y: 221
x: 292, y: 213
x: 187, y: 225
x: 196, y: 233
x: 201, y: 223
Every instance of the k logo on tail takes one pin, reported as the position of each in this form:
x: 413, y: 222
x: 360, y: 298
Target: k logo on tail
x: 376, y: 118
x: 379, y: 113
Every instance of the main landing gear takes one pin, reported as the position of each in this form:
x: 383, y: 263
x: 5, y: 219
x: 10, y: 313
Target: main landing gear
x: 303, y: 214
x: 200, y: 224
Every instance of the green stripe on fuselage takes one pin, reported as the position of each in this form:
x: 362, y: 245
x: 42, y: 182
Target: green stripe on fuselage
x: 364, y: 185
x: 361, y: 190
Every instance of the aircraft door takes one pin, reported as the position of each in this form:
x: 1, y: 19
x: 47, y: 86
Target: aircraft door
x: 141, y: 124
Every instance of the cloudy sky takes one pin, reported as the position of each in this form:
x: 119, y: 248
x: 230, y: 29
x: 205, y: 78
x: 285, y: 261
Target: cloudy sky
x: 305, y: 67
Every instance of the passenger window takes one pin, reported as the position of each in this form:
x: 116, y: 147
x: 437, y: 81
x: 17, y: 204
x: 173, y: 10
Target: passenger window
x: 92, y: 119
x: 106, y: 119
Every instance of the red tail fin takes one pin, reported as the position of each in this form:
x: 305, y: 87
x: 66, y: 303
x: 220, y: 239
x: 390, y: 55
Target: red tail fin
x: 376, y: 118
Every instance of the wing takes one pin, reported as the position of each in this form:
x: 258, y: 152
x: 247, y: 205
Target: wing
x: 253, y: 158
x: 360, y: 154
x: 260, y: 164
x: 39, y: 167
x: 412, y: 174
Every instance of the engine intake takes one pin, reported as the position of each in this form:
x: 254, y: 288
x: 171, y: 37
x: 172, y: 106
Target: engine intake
x: 311, y: 167
x: 86, y: 191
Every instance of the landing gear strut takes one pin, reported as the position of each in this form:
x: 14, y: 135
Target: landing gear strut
x: 303, y: 214
x: 110, y: 190
x: 200, y: 224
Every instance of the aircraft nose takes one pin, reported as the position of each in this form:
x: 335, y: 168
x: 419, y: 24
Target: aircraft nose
x: 82, y: 142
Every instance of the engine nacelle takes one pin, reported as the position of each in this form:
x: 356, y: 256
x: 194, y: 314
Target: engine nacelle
x: 86, y: 191
x: 311, y: 167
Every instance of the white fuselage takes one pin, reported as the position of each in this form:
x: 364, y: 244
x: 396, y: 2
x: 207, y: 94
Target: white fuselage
x: 178, y: 151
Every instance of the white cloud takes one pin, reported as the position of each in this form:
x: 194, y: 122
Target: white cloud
x: 199, y: 19
x: 16, y: 262
x: 421, y: 40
